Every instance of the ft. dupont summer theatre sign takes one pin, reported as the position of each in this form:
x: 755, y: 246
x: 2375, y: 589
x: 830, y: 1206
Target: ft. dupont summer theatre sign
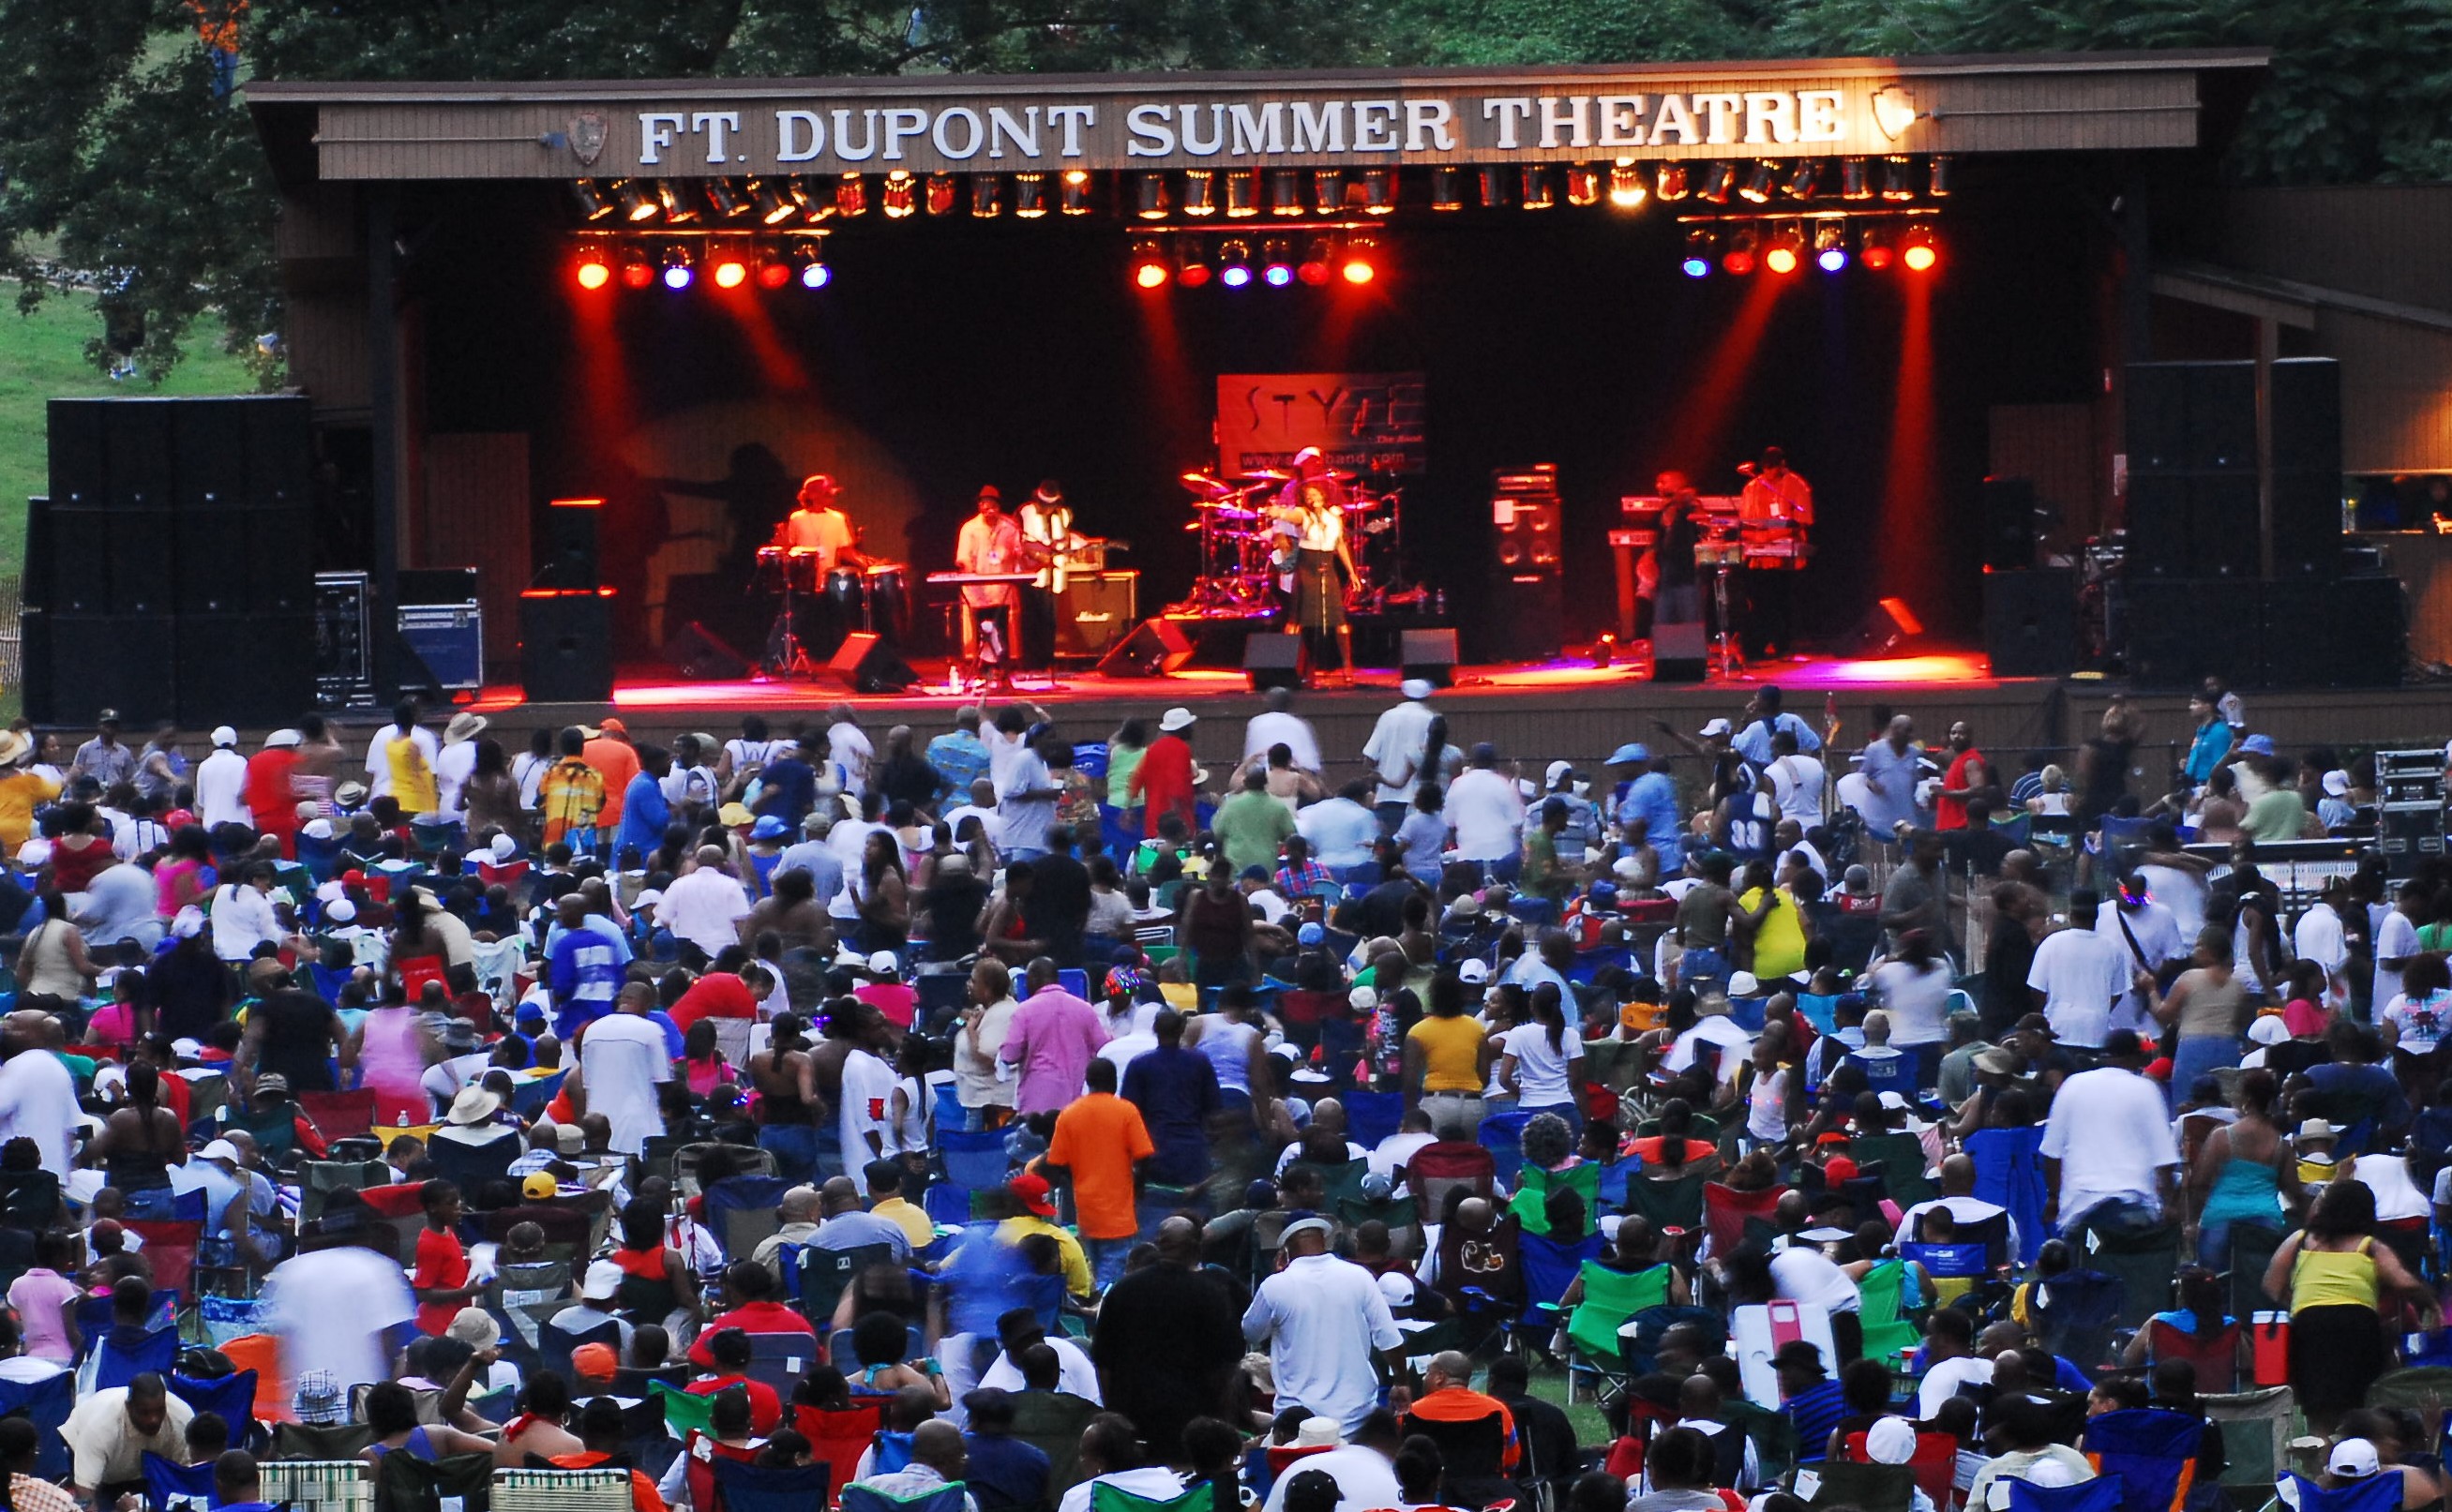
x: 977, y: 124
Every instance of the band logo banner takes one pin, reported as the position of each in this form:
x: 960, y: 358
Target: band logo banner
x: 1370, y: 423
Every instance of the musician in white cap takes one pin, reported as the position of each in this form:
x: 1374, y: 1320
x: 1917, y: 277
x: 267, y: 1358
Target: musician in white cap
x: 1046, y: 522
x: 1314, y: 501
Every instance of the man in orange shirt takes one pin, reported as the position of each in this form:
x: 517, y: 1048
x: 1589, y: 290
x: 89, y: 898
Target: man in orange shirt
x: 1103, y: 1146
x: 617, y: 761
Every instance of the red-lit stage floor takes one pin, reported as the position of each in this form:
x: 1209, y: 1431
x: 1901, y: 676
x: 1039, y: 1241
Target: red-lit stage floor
x: 659, y: 698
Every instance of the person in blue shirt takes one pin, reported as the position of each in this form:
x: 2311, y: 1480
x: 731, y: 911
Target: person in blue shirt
x: 1808, y: 1398
x: 585, y: 967
x: 2211, y: 742
x: 788, y: 787
x: 1652, y: 798
x: 1753, y: 741
x: 645, y: 810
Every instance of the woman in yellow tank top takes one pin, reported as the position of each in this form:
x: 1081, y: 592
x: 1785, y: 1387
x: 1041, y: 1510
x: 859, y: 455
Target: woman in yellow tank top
x: 2334, y: 1275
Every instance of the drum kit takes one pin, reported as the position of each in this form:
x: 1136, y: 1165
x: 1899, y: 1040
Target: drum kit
x: 1246, y: 556
x: 819, y: 609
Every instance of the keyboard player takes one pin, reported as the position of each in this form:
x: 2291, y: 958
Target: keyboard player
x: 990, y: 543
x: 1774, y: 515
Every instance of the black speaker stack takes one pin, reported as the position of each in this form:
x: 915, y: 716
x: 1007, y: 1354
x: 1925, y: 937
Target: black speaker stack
x: 2199, y: 600
x: 1527, y: 617
x: 170, y: 571
x: 567, y: 614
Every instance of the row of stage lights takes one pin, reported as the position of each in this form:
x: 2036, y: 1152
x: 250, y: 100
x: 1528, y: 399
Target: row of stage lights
x: 1829, y: 242
x: 1191, y: 260
x: 1243, y: 194
x: 679, y: 265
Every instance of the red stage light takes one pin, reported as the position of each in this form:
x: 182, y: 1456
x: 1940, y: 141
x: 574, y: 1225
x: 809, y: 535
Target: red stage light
x: 1360, y: 263
x: 1739, y: 257
x: 773, y: 273
x: 593, y: 272
x: 1873, y: 248
x: 731, y: 273
x: 637, y: 273
x: 1150, y: 266
x: 1919, y: 254
x: 1359, y: 271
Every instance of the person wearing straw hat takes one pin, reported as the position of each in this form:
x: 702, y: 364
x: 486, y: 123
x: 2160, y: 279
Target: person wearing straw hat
x: 21, y: 790
x: 453, y: 766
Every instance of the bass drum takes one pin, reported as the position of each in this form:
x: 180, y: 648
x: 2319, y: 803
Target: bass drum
x: 889, y: 601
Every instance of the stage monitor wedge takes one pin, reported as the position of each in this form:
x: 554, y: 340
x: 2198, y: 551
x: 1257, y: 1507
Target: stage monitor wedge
x: 864, y: 664
x: 700, y: 654
x: 1154, y: 649
x: 1273, y: 660
x: 1430, y: 655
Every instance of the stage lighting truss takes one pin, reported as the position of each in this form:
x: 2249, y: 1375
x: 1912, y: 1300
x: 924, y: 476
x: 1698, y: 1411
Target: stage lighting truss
x: 1831, y: 241
x: 1349, y: 252
x: 1163, y: 199
x: 680, y: 260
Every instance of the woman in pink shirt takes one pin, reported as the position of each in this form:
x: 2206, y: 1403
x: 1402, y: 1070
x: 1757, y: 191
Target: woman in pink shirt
x: 45, y: 1301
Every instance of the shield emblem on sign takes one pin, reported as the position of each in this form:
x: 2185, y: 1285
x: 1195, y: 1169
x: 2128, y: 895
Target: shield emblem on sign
x: 587, y: 130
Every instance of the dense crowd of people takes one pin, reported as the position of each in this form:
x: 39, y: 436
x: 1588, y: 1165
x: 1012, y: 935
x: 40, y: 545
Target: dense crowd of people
x: 1036, y: 1122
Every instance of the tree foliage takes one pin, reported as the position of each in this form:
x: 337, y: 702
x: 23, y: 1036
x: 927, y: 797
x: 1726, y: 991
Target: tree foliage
x: 123, y: 162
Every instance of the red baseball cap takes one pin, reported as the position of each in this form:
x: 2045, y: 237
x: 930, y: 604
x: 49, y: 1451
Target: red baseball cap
x: 1031, y: 1189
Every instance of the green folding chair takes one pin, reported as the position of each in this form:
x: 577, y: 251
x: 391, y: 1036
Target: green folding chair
x: 1886, y: 1334
x: 1531, y: 1203
x: 1611, y: 1297
x: 1669, y: 1203
x: 682, y: 1411
x: 1107, y: 1498
x: 1864, y: 1487
x: 1902, y: 1157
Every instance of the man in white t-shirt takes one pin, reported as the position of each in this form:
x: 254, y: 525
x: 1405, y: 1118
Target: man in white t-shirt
x: 1277, y: 725
x: 2107, y: 1143
x: 1398, y: 748
x: 335, y: 1348
x: 1322, y: 1320
x: 2319, y: 936
x: 849, y: 749
x: 2078, y: 975
x: 221, y: 783
x: 1796, y: 779
x: 981, y: 807
x: 621, y: 1061
x: 38, y: 1099
x: 705, y: 906
x: 1026, y: 798
x: 2145, y: 934
x: 455, y: 765
x: 1486, y: 809
x: 2396, y: 942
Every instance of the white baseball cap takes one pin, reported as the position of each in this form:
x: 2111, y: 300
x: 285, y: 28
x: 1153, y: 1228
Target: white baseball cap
x: 1557, y: 770
x: 1718, y: 727
x: 2352, y: 1458
x: 1473, y: 970
x: 601, y: 1283
x: 224, y: 735
x: 1419, y: 688
x: 884, y: 963
x: 220, y: 1150
x: 1890, y: 1440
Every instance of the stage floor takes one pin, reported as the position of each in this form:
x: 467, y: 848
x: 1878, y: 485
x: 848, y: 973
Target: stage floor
x: 646, y: 693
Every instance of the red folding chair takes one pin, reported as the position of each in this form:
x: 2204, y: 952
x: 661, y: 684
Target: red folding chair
x: 1936, y: 1463
x: 340, y: 1115
x: 2216, y: 1358
x: 1725, y: 1211
x: 1436, y: 1169
x: 172, y: 1248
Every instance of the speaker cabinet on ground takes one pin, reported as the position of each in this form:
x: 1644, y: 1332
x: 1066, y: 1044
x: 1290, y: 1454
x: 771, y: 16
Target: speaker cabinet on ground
x: 1272, y: 660
x: 1430, y: 655
x: 699, y: 655
x: 1095, y: 612
x: 2031, y: 623
x: 566, y: 646
x: 865, y: 663
x: 2353, y: 632
x: 1525, y: 619
x: 2182, y: 631
x: 77, y: 664
x: 1154, y: 648
x: 249, y: 668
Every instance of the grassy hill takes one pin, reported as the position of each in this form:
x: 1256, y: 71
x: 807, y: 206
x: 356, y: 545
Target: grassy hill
x: 42, y: 357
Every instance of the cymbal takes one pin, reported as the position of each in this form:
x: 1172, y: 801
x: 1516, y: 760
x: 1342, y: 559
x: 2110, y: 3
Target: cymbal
x: 1220, y: 509
x: 1200, y: 483
x: 1268, y: 475
x: 1363, y: 506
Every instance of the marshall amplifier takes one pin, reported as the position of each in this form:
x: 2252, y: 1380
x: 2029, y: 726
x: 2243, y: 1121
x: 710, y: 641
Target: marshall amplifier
x: 1095, y: 612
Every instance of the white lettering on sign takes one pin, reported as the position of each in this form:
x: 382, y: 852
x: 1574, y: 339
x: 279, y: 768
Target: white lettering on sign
x: 1621, y: 120
x: 800, y: 135
x: 656, y: 129
x: 1244, y: 131
x: 719, y: 127
x: 1320, y: 128
x: 1508, y: 111
x: 1426, y: 125
x: 1150, y: 135
x: 1573, y: 120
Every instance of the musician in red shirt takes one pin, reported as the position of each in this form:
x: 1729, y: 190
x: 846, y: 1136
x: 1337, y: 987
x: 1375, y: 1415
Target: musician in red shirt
x: 1166, y: 777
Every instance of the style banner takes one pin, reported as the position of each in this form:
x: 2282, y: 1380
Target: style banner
x: 1370, y: 423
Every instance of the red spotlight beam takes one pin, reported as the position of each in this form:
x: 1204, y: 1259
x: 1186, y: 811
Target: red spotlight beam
x: 1910, y: 494
x: 1703, y: 418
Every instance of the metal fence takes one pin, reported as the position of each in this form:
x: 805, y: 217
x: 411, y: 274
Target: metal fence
x: 13, y: 648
